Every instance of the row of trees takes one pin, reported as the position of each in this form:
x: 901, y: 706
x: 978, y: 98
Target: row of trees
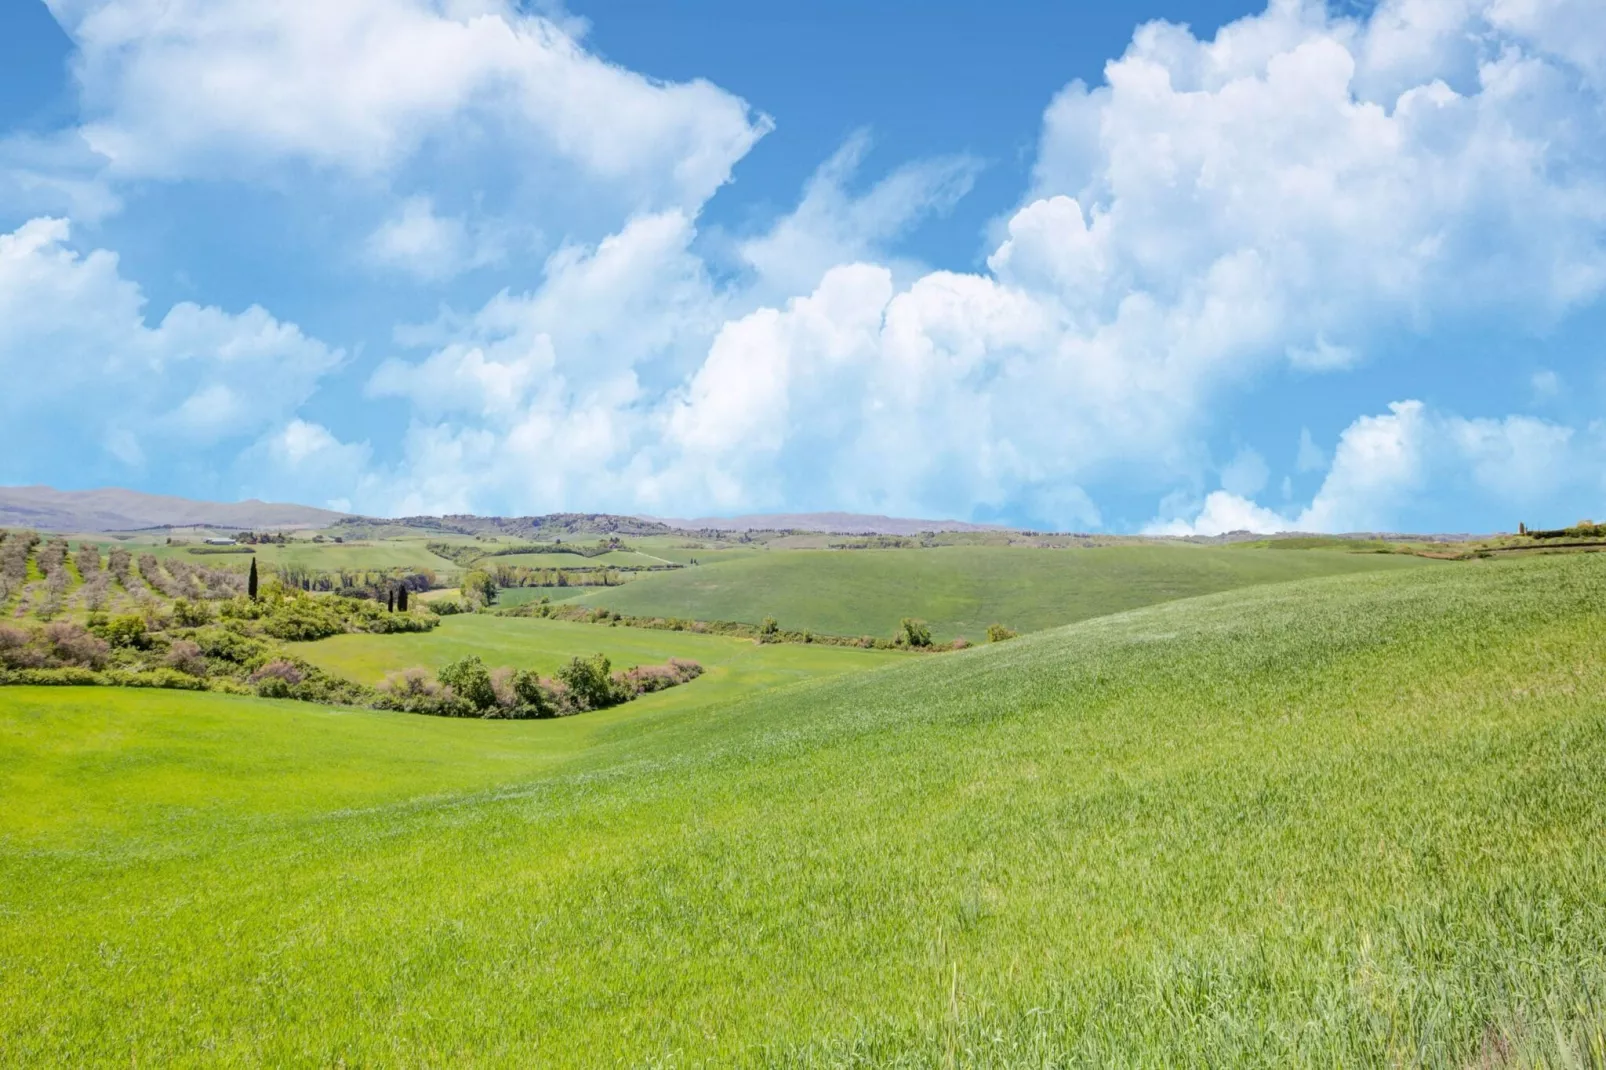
x: 14, y: 551
x: 468, y: 688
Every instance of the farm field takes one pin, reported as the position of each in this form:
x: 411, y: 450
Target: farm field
x: 960, y: 590
x: 682, y: 551
x: 1347, y: 820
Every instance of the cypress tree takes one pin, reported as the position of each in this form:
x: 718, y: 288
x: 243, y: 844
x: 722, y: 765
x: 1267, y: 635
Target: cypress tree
x: 390, y: 603
x: 251, y: 584
x: 401, y: 598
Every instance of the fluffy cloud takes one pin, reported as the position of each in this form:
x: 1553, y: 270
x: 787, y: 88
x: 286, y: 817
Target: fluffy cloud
x: 831, y: 226
x: 428, y: 246
x: 1397, y: 467
x: 1289, y: 196
x: 201, y: 88
x: 74, y: 330
x: 1291, y: 191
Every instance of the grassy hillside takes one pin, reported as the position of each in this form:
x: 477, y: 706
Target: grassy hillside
x: 960, y: 590
x: 734, y: 667
x: 1351, y: 821
x: 614, y: 558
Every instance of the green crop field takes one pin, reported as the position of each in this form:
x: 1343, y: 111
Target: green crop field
x: 735, y: 667
x: 1353, y: 820
x: 960, y: 590
x: 614, y: 558
x: 382, y: 555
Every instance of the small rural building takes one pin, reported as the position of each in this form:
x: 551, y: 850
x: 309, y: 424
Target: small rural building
x: 220, y: 542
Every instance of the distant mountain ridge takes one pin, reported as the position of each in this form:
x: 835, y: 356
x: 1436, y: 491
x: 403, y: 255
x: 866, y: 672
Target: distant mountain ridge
x: 826, y: 523
x: 115, y: 509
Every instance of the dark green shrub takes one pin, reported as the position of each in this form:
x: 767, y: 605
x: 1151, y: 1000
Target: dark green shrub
x: 588, y: 683
x: 228, y: 645
x: 470, y: 680
x: 187, y: 614
x: 915, y: 632
x: 126, y: 632
x: 534, y: 699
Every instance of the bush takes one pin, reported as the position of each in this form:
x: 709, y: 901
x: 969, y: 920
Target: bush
x: 470, y: 680
x: 445, y: 607
x: 276, y: 679
x: 303, y: 619
x: 645, y: 679
x: 915, y: 632
x: 169, y: 679
x: 416, y: 691
x: 399, y: 621
x: 997, y: 633
x: 535, y: 698
x: 185, y: 656
x: 16, y: 651
x: 52, y: 678
x: 187, y: 614
x: 226, y: 645
x: 241, y: 607
x: 66, y: 644
x: 126, y: 632
x: 588, y: 683
x: 479, y: 588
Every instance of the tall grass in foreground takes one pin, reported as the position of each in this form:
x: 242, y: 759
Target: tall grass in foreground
x: 1352, y: 821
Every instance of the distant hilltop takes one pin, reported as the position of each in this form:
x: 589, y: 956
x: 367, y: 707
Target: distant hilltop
x: 825, y: 523
x: 114, y: 509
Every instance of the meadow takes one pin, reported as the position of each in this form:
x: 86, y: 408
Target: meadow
x: 960, y: 590
x: 1350, y: 820
x: 734, y: 667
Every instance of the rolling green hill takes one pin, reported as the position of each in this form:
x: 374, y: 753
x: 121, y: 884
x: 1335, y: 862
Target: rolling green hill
x: 734, y: 667
x: 960, y: 590
x: 1348, y: 821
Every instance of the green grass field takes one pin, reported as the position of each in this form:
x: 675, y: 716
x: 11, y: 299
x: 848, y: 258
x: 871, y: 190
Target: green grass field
x: 1347, y: 821
x: 734, y: 667
x: 960, y: 590
x: 613, y: 558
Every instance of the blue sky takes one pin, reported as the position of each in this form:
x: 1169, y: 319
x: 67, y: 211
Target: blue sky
x: 1183, y: 267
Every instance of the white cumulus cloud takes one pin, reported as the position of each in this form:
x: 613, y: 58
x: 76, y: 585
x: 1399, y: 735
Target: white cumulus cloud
x: 1392, y: 468
x: 75, y: 340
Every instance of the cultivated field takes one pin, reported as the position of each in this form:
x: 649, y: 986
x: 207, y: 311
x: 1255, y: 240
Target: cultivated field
x: 960, y: 590
x: 1352, y: 820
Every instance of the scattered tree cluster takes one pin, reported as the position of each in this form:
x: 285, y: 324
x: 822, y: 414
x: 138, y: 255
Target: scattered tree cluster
x: 468, y: 688
x: 467, y: 554
x: 295, y: 616
x: 189, y: 647
x: 376, y: 585
x: 522, y: 576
